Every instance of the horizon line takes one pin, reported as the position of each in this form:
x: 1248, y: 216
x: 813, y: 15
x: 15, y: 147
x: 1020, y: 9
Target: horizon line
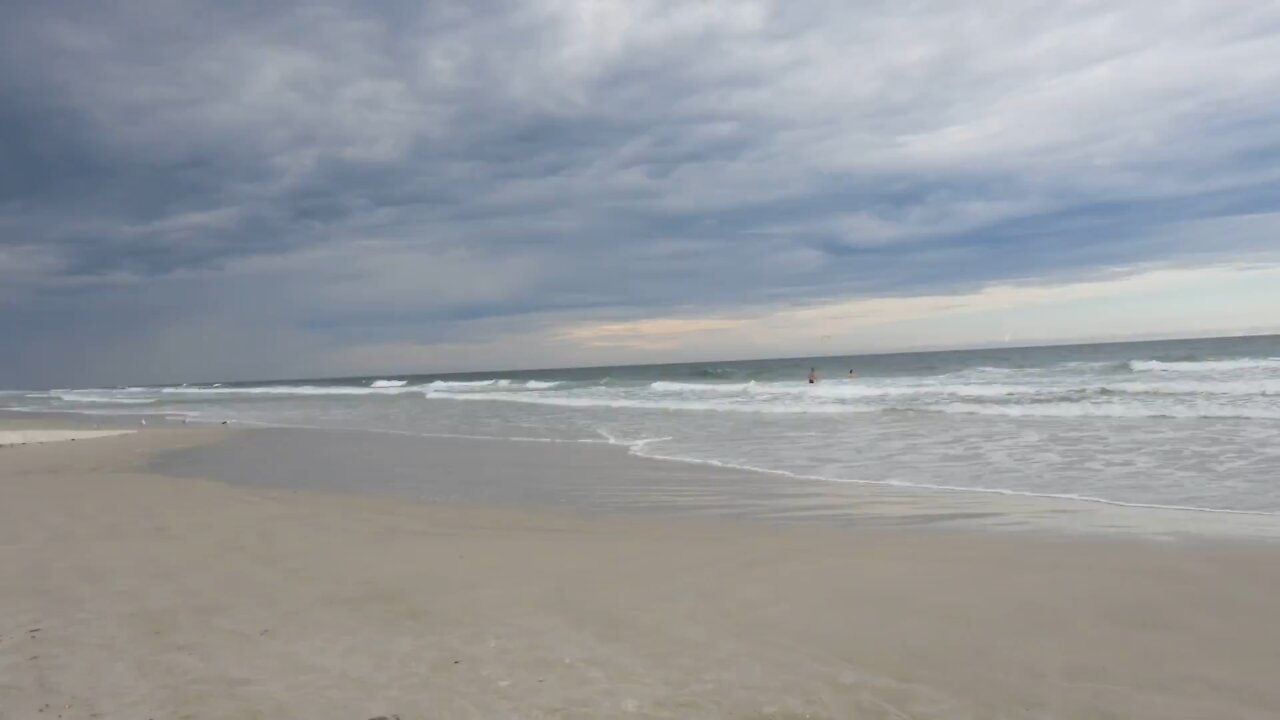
x: 1096, y: 342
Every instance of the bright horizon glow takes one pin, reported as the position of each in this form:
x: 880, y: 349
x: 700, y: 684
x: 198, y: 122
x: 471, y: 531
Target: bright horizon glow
x: 1176, y: 295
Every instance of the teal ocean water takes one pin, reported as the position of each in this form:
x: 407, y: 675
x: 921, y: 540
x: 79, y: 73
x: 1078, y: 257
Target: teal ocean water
x: 1188, y: 423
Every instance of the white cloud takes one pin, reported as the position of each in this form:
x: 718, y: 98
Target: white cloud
x: 629, y: 175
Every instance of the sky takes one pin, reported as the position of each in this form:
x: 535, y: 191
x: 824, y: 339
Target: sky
x: 237, y: 190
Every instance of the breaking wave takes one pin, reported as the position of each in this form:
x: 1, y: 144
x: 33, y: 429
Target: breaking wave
x: 1205, y: 366
x: 1190, y: 426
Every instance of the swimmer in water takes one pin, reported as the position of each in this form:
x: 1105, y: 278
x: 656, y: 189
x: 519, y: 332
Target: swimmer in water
x: 813, y: 375
x: 851, y: 375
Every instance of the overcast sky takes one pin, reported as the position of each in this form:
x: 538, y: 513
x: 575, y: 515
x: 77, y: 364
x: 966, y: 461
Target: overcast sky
x: 233, y: 190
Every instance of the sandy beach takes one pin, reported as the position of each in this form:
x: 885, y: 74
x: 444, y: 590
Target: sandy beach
x: 126, y: 593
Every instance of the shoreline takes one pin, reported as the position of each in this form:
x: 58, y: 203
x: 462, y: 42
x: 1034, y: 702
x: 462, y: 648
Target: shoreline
x: 1099, y: 513
x: 837, y: 501
x: 129, y: 593
x: 927, y: 488
x: 629, y: 483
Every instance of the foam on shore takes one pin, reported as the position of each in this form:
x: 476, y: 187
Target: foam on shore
x: 25, y: 437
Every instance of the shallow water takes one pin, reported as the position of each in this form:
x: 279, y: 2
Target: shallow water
x: 1188, y: 424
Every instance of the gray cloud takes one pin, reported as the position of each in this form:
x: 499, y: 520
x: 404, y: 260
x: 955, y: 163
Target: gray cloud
x: 335, y: 174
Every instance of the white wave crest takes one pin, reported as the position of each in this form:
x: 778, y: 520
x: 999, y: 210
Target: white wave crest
x: 542, y: 384
x: 305, y: 390
x: 667, y: 386
x: 708, y: 405
x: 1067, y: 388
x: 1085, y: 410
x: 388, y: 383
x: 466, y: 384
x: 856, y: 389
x: 1241, y: 388
x: 81, y: 397
x: 1205, y: 366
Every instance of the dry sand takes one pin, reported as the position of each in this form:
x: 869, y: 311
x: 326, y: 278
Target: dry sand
x: 125, y: 594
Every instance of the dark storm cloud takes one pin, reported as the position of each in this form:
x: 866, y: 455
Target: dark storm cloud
x: 340, y: 173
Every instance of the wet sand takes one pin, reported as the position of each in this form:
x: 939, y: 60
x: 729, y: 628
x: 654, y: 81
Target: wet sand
x: 28, y: 437
x: 602, y: 478
x: 127, y: 593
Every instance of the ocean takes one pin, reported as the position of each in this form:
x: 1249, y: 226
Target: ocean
x: 1172, y: 424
